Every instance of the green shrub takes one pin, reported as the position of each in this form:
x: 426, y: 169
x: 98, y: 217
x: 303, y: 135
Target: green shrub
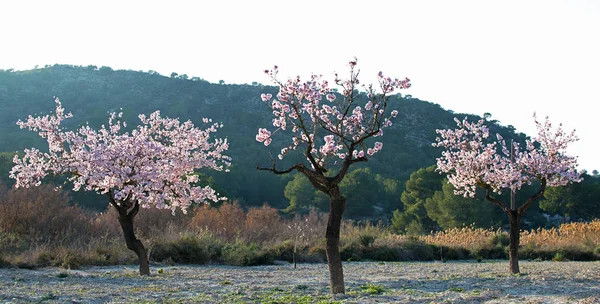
x: 13, y: 242
x: 351, y: 251
x: 242, y: 254
x: 71, y: 260
x: 285, y: 251
x: 559, y: 257
x: 383, y: 253
x: 188, y: 249
x: 3, y: 263
x: 372, y: 289
x: 419, y: 250
x: 366, y: 239
x: 579, y: 254
x: 499, y: 240
x: 530, y: 251
x: 453, y: 253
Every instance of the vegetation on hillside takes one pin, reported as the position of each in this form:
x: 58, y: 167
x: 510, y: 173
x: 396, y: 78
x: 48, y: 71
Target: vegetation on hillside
x: 91, y: 92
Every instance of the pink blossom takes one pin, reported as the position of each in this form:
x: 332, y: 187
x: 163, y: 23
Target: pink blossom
x: 154, y: 164
x: 469, y: 161
x: 262, y: 135
x: 266, y: 97
x: 299, y: 104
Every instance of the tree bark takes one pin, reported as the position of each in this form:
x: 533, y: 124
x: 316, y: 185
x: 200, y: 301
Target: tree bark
x: 126, y: 221
x: 514, y: 239
x: 337, y: 204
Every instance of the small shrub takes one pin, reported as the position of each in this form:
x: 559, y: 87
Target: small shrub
x: 3, y: 263
x: 45, y: 258
x: 499, y: 240
x: 48, y: 297
x: 241, y: 254
x: 72, y: 261
x: 383, y: 253
x: 366, y: 239
x: 284, y: 251
x: 559, y: 257
x: 62, y: 275
x: 351, y: 251
x: 419, y: 250
x: 24, y: 263
x: 187, y: 249
x: 372, y: 288
x: 13, y: 242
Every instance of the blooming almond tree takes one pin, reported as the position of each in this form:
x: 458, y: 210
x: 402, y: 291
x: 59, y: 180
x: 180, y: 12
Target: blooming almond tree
x: 329, y: 132
x: 472, y: 160
x: 154, y: 165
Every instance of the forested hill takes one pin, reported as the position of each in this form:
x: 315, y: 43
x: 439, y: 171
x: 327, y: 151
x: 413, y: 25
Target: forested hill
x: 90, y: 93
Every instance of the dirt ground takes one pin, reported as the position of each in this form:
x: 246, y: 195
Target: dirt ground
x: 366, y: 282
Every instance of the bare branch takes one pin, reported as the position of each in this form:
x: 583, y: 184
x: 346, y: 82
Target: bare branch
x: 346, y: 165
x: 135, y: 210
x: 274, y: 170
x: 111, y: 199
x: 536, y: 196
x: 488, y: 192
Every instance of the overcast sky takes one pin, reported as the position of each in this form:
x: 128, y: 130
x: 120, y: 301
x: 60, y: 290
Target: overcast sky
x: 508, y: 58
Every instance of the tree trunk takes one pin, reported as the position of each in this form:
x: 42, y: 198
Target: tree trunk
x: 514, y: 236
x: 126, y: 221
x: 337, y: 204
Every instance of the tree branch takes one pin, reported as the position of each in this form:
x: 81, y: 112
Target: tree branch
x: 274, y: 170
x: 488, y: 192
x: 135, y: 210
x: 536, y: 196
x: 345, y: 166
x: 111, y: 199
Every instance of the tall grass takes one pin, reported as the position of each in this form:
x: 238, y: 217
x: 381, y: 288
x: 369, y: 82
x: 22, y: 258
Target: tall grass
x: 38, y: 228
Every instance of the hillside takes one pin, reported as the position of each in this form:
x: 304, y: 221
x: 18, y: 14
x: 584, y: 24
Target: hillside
x: 91, y: 92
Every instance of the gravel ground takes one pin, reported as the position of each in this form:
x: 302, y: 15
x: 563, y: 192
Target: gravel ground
x: 368, y: 282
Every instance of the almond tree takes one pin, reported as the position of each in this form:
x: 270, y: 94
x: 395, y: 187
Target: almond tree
x: 472, y: 160
x: 330, y: 132
x: 154, y: 165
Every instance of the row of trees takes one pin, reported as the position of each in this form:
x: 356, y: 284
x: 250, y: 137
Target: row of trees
x: 155, y: 164
x: 91, y: 94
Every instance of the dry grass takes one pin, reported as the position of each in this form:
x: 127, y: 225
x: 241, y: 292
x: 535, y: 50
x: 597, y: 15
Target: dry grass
x: 566, y: 235
x: 466, y: 237
x: 38, y: 228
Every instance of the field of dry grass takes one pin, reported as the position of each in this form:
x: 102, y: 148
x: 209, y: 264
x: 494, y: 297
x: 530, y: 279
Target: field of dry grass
x: 38, y: 229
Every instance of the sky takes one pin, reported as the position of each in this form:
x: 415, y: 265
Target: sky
x: 508, y: 58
